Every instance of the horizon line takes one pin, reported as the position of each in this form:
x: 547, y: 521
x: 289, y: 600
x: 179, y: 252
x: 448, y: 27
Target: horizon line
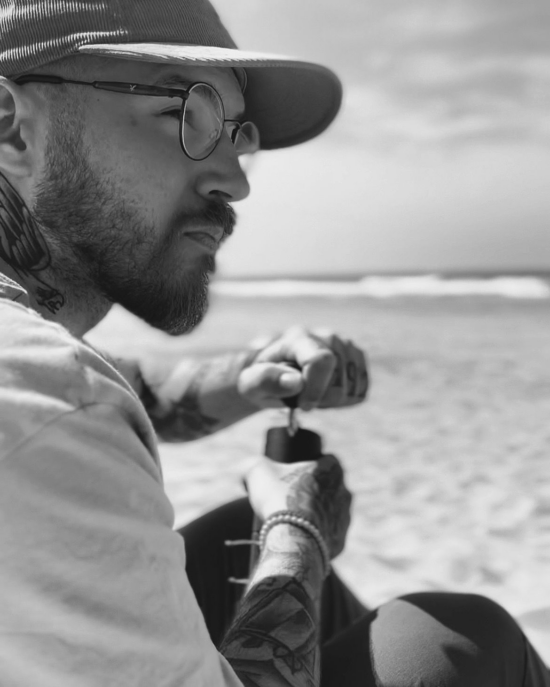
x: 355, y: 274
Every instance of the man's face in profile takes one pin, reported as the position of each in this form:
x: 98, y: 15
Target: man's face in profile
x: 130, y: 215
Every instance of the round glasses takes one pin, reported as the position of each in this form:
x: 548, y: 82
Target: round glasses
x: 203, y: 120
x: 202, y: 115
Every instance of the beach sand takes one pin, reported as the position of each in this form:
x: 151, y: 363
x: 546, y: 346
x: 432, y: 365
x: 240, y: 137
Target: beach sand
x: 449, y: 460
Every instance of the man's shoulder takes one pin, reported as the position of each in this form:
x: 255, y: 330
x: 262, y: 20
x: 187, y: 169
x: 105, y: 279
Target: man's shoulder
x: 45, y: 372
x: 44, y: 354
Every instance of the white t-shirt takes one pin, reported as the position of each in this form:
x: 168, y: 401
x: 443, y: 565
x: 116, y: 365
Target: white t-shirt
x: 93, y: 590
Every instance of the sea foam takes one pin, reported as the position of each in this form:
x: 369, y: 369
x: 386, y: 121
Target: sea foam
x: 388, y: 287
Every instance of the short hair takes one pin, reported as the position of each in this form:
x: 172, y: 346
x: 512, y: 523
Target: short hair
x: 79, y: 67
x: 63, y: 108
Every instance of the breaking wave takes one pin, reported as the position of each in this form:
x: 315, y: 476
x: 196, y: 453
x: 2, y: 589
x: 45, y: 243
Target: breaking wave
x: 432, y: 286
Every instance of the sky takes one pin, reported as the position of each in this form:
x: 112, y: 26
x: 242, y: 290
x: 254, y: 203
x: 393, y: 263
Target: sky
x: 440, y: 157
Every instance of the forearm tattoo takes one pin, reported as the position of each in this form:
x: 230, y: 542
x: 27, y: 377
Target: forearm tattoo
x: 183, y: 420
x: 274, y: 639
x: 331, y: 501
x: 176, y: 405
x: 23, y: 247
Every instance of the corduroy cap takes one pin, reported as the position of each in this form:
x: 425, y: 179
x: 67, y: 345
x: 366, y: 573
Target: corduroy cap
x: 289, y: 100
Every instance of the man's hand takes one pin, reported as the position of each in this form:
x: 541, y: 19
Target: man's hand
x: 332, y: 371
x: 315, y: 489
x: 274, y: 639
x: 199, y: 397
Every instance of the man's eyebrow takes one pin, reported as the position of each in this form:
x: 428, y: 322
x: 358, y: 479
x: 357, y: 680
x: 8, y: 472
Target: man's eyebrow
x: 175, y: 80
x: 172, y: 81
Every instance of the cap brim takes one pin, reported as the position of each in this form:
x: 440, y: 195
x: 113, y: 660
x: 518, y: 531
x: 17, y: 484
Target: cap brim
x: 289, y: 100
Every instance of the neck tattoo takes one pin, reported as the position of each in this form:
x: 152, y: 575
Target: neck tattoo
x: 23, y: 247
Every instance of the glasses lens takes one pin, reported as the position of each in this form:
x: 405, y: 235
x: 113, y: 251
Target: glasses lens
x: 247, y: 139
x: 203, y: 117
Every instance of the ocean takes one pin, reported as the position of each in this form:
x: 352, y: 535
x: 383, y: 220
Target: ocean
x: 514, y: 285
x: 449, y: 459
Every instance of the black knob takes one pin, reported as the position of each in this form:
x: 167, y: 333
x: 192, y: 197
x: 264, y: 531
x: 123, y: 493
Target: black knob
x: 283, y: 447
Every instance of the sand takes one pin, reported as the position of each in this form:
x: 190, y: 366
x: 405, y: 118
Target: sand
x: 449, y: 460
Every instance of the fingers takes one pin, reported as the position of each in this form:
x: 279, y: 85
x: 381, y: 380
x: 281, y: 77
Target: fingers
x: 314, y: 488
x: 265, y: 384
x: 318, y: 373
x: 349, y: 380
x: 272, y: 486
x: 315, y: 358
x: 333, y: 371
x: 355, y: 374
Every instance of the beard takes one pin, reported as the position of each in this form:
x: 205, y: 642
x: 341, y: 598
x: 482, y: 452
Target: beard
x: 102, y: 247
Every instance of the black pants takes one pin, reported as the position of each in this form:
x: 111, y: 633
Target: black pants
x: 419, y: 640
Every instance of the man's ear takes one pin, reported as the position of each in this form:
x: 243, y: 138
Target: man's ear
x: 17, y: 130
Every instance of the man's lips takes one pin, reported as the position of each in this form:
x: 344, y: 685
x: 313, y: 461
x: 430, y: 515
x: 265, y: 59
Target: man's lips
x: 209, y: 237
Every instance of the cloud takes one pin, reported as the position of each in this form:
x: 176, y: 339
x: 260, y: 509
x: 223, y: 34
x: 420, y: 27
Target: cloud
x: 436, y: 100
x: 456, y: 72
x: 422, y: 72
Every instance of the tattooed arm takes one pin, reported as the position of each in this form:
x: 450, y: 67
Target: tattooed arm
x: 199, y: 397
x: 273, y: 641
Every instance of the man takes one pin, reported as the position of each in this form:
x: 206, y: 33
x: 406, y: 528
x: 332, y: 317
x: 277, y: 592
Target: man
x: 121, y: 127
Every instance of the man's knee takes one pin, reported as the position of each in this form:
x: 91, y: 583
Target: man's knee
x: 479, y: 619
x: 446, y: 639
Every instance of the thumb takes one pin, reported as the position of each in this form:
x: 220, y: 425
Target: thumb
x: 267, y: 383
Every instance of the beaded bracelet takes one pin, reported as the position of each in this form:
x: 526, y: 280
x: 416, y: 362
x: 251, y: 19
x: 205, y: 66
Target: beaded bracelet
x: 289, y: 517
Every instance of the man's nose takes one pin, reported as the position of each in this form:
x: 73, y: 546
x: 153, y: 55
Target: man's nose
x: 222, y: 174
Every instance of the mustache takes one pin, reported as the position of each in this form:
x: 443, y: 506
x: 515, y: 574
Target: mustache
x: 216, y: 214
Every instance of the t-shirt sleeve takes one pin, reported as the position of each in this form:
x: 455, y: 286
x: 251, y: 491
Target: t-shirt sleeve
x: 93, y: 590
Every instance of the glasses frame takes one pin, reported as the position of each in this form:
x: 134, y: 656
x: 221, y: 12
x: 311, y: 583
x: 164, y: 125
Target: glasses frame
x: 154, y: 91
